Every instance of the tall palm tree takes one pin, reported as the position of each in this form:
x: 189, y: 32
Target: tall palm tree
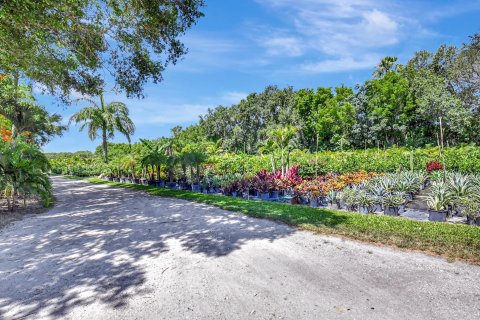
x: 154, y: 158
x: 384, y: 66
x: 283, y: 139
x: 105, y: 118
x: 130, y: 161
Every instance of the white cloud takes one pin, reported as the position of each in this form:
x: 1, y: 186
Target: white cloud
x: 344, y: 34
x: 282, y: 45
x: 339, y: 65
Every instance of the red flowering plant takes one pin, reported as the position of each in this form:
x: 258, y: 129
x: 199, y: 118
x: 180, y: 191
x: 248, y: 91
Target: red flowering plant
x: 434, y: 166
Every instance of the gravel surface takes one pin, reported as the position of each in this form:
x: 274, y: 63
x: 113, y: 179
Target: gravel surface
x: 111, y: 253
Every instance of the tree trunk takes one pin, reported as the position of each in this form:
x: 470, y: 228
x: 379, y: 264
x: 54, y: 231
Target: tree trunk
x: 282, y: 163
x: 14, y: 192
x: 16, y: 111
x: 184, y: 169
x: 442, y: 154
x: 158, y: 172
x: 105, y: 145
x: 316, y: 157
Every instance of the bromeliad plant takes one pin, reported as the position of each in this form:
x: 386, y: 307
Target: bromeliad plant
x: 434, y: 165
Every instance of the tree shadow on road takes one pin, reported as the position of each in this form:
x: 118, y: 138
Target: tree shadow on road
x: 90, y: 247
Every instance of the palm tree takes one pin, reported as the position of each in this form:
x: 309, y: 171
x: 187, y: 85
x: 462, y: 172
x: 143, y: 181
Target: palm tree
x: 284, y: 139
x: 105, y: 119
x: 384, y: 66
x: 23, y: 170
x: 130, y: 162
x: 155, y: 158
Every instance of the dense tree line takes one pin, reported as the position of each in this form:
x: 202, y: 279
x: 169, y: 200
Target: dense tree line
x: 433, y: 95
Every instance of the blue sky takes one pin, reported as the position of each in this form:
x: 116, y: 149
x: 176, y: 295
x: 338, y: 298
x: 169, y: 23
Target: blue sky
x: 243, y: 46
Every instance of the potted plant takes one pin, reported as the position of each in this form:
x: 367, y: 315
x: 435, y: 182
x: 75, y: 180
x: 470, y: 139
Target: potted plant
x: 205, y: 184
x: 470, y: 208
x: 392, y: 204
x: 234, y: 188
x: 365, y: 203
x: 438, y: 210
x: 438, y: 201
x: 274, y: 194
x: 244, y: 188
x: 333, y: 200
x: 262, y: 185
x: 349, y: 196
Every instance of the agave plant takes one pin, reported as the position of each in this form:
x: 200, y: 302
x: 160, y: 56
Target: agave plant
x: 439, y: 197
x: 459, y: 185
x: 470, y: 208
x: 332, y: 197
x: 393, y: 200
x: 350, y: 196
x: 366, y: 200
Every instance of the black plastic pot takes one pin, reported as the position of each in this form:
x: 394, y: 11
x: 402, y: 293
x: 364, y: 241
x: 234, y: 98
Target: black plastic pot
x: 391, y: 211
x: 265, y: 196
x: 473, y: 221
x: 437, y: 215
x: 365, y: 209
x: 274, y: 195
x: 195, y: 187
x: 334, y: 206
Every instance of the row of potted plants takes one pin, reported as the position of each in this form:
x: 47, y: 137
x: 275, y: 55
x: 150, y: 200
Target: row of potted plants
x: 365, y: 192
x: 456, y: 194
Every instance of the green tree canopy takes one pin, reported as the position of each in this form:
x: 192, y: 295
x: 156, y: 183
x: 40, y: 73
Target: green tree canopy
x: 68, y: 44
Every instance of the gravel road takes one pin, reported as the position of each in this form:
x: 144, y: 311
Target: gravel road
x: 111, y: 253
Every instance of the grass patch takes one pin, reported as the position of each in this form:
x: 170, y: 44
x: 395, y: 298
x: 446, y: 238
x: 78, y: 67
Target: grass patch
x: 454, y: 242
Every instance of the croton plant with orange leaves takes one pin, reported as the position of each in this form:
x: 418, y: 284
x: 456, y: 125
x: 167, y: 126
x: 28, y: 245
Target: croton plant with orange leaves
x: 320, y: 186
x: 5, y: 132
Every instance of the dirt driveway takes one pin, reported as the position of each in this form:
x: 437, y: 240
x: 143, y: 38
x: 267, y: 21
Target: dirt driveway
x: 110, y: 253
